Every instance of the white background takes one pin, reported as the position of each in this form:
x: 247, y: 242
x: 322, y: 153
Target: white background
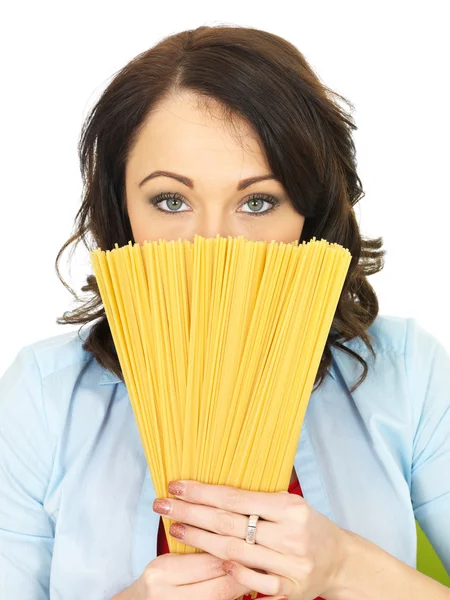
x: 390, y: 59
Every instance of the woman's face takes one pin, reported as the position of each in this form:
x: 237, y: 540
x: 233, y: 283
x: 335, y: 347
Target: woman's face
x: 197, y: 146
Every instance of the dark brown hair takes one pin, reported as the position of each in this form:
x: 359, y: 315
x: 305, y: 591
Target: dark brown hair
x: 306, y: 135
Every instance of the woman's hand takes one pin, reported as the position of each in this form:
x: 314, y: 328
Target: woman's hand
x: 200, y: 576
x: 299, y: 551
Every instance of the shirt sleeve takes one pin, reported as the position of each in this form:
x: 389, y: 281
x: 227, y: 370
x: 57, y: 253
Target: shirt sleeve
x: 26, y: 530
x: 428, y: 372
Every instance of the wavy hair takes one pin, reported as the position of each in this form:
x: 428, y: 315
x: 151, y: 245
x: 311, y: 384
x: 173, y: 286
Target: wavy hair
x: 305, y: 133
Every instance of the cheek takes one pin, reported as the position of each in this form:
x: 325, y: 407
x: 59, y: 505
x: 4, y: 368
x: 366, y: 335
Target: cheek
x: 143, y: 224
x: 136, y: 221
x: 289, y: 228
x: 149, y: 225
x: 144, y: 231
x: 297, y: 224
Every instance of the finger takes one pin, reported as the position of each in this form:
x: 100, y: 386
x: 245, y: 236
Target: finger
x: 225, y: 547
x: 191, y: 568
x: 222, y: 522
x: 264, y: 583
x: 225, y: 588
x: 268, y: 505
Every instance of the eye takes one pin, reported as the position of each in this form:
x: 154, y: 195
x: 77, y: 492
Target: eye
x: 257, y: 200
x: 255, y: 203
x: 173, y: 199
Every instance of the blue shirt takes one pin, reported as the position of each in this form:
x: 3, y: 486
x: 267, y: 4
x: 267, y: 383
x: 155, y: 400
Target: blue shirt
x: 76, y: 518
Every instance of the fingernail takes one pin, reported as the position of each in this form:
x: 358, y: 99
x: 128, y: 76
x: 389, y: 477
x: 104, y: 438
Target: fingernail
x: 177, y: 530
x: 176, y: 488
x: 162, y: 506
x: 228, y: 567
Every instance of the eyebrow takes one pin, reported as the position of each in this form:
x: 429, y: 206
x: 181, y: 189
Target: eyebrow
x: 244, y: 183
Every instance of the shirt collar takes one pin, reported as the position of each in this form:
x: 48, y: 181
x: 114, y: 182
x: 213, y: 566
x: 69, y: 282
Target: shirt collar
x: 108, y: 377
x: 332, y: 369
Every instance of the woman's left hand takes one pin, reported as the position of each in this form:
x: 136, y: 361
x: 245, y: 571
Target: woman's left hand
x: 298, y: 551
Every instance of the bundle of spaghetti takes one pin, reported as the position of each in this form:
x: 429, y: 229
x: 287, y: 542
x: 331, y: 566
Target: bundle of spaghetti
x: 219, y: 341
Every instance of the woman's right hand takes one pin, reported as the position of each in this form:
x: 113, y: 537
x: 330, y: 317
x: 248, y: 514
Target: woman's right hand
x: 196, y: 576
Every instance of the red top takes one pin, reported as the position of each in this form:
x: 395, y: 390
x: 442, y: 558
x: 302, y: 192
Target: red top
x: 163, y: 547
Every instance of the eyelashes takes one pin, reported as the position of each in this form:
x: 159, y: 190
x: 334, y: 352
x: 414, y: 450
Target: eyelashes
x: 272, y: 200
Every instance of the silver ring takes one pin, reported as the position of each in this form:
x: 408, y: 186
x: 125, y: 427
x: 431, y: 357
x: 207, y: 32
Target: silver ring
x: 251, y: 529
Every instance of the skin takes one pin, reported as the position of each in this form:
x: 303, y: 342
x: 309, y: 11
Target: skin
x: 183, y: 137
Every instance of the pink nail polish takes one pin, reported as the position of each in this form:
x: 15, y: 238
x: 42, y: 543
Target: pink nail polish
x: 176, y: 488
x: 162, y: 506
x: 177, y: 530
x: 228, y: 567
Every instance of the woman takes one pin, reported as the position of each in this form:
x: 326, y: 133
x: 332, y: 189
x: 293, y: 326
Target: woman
x: 225, y: 130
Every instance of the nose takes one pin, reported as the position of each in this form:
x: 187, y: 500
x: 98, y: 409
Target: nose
x: 210, y: 226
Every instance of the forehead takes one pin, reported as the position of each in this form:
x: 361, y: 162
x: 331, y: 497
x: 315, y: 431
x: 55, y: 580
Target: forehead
x: 187, y: 127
